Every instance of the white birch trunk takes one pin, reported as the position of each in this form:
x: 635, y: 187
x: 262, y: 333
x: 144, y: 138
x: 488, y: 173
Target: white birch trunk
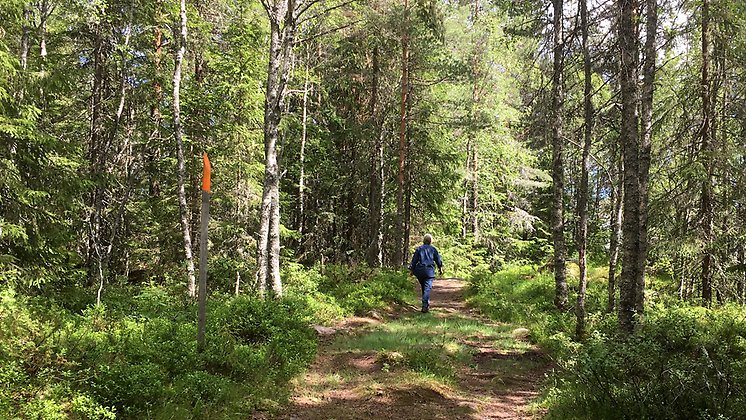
x: 181, y: 170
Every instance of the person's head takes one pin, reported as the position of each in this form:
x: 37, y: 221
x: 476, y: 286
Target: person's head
x: 428, y: 239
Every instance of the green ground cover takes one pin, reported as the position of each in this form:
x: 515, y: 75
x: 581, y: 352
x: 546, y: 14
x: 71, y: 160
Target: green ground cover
x: 685, y: 362
x: 135, y: 355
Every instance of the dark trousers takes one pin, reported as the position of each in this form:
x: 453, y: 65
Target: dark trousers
x: 426, y: 283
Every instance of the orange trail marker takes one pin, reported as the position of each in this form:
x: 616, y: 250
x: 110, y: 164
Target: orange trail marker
x: 201, y: 311
x: 206, y: 173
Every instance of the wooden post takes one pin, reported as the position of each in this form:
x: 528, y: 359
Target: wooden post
x: 201, y: 316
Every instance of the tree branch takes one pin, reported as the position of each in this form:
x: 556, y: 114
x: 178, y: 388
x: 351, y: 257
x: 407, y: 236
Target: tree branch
x: 325, y: 11
x: 320, y: 34
x: 600, y: 165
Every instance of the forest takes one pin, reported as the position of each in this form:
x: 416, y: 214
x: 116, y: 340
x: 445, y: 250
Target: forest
x: 208, y: 208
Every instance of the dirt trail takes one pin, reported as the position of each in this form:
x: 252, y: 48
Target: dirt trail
x: 355, y: 377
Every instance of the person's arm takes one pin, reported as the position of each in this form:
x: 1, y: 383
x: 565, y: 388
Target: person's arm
x: 415, y: 259
x: 439, y: 261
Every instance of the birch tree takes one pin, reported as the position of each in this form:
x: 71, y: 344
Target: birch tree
x: 284, y: 18
x: 178, y: 137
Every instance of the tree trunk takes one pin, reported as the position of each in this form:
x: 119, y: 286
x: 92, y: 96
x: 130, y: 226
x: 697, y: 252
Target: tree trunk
x: 44, y: 12
x: 475, y: 190
x: 707, y: 154
x: 473, y: 160
x: 648, y: 88
x: 558, y: 223
x: 25, y: 31
x: 97, y: 159
x: 628, y: 44
x: 375, y: 221
x: 23, y: 61
x: 407, y: 207
x: 271, y: 127
x: 122, y: 81
x: 283, y: 17
x: 742, y: 278
x: 617, y: 198
x: 467, y: 183
x: 303, y: 138
x: 585, y: 167
x: 274, y: 240
x: 153, y: 147
x: 178, y: 136
x: 400, y: 253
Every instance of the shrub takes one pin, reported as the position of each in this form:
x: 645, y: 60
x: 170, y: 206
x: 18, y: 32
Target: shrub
x: 135, y: 355
x: 269, y: 334
x: 134, y: 389
x: 358, y: 290
x: 138, y: 357
x: 303, y: 284
x: 86, y: 408
x: 684, y: 363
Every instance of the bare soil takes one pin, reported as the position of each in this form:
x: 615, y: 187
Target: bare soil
x: 500, y: 382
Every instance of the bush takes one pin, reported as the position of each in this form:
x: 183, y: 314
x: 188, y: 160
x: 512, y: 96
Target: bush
x: 269, y: 334
x: 303, y: 284
x: 134, y: 389
x: 684, y: 363
x: 354, y: 290
x: 129, y: 361
x: 135, y: 356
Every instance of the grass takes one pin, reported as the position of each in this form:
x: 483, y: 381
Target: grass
x: 406, y: 366
x: 431, y: 345
x: 524, y: 296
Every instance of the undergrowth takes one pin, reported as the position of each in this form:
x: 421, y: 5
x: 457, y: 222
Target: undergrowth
x: 684, y: 362
x: 135, y: 355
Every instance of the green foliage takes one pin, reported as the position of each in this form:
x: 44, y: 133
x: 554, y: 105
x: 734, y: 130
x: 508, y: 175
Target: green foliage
x: 359, y: 289
x: 303, y: 284
x: 343, y: 290
x: 524, y: 296
x: 461, y: 258
x: 58, y: 364
x: 683, y: 363
x: 85, y: 407
x: 135, y: 356
x: 277, y: 330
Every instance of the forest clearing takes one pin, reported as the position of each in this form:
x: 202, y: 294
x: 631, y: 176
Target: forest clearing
x: 228, y: 209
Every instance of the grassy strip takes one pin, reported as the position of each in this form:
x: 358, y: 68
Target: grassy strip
x: 435, y: 364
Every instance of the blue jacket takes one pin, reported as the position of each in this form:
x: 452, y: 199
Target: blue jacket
x: 424, y: 260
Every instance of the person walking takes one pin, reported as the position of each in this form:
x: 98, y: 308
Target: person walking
x: 424, y: 261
